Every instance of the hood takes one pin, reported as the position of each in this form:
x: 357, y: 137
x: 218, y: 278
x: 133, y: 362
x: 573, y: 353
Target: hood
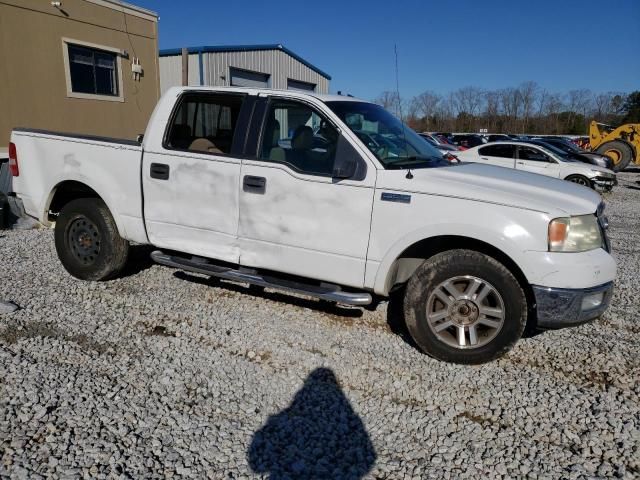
x: 597, y: 168
x: 597, y: 159
x: 491, y: 184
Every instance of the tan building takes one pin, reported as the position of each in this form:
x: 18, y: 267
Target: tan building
x: 80, y: 66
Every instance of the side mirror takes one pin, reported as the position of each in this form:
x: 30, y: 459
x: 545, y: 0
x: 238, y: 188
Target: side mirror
x: 347, y: 161
x: 345, y: 166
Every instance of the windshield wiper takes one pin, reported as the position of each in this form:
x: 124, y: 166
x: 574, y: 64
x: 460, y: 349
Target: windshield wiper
x: 410, y: 160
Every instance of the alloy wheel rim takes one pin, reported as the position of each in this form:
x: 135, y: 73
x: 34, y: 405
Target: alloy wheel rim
x: 579, y: 181
x: 465, y: 312
x: 84, y: 240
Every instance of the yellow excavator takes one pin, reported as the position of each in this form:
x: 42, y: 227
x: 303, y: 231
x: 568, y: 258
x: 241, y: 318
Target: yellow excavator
x: 621, y: 144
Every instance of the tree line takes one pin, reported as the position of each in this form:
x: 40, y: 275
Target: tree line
x: 526, y: 109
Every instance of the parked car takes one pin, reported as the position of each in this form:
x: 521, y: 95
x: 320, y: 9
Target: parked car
x: 468, y: 141
x: 473, y: 252
x: 535, y: 158
x: 572, y: 151
x: 444, y: 148
x: 497, y: 137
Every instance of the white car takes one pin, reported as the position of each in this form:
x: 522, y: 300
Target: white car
x: 443, y: 148
x: 331, y: 197
x: 536, y: 159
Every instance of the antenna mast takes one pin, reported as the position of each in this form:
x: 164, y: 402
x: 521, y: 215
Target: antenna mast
x: 399, y: 106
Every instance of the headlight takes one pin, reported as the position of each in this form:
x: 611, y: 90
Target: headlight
x: 574, y: 234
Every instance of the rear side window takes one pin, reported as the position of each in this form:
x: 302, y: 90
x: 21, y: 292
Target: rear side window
x: 504, y: 151
x: 205, y: 123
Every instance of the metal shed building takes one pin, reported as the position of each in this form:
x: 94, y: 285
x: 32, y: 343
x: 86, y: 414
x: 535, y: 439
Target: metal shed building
x: 269, y: 66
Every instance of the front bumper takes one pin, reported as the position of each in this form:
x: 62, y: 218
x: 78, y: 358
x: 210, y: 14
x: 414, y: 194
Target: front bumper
x: 604, y: 183
x: 564, y: 307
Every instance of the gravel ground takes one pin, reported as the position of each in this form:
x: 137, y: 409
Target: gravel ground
x: 162, y: 374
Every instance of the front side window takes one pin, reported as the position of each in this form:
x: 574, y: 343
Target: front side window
x: 503, y: 151
x: 532, y: 154
x: 298, y: 136
x: 205, y: 123
x: 393, y: 143
x: 93, y: 71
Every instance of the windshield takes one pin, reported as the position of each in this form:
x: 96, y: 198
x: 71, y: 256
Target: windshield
x: 567, y: 146
x: 392, y: 142
x: 558, y: 152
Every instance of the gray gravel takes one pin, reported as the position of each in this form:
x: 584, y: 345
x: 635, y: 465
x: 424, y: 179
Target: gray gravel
x: 162, y: 374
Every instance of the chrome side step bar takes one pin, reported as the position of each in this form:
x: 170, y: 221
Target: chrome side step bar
x: 324, y: 291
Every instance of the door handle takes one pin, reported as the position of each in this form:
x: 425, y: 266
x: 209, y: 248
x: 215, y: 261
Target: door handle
x: 520, y: 163
x: 253, y: 184
x: 159, y: 171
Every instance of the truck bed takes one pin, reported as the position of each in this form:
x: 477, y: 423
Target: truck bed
x: 110, y: 166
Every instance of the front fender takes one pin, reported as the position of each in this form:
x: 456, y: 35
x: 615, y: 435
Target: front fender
x: 512, y: 239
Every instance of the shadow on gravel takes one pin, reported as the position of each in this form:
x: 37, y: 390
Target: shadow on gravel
x: 396, y: 320
x: 320, y: 306
x: 318, y: 436
x: 138, y: 261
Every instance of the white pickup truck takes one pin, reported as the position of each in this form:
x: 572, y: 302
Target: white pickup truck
x: 331, y: 197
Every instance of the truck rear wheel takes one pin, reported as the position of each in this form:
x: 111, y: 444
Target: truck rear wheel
x: 619, y: 152
x: 464, y: 307
x: 87, y: 240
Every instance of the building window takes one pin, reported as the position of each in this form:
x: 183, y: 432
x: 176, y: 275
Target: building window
x: 92, y: 71
x: 301, y: 86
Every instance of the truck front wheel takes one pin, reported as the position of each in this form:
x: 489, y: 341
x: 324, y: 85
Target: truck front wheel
x: 87, y: 240
x: 463, y: 306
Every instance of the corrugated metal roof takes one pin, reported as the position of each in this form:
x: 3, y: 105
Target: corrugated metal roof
x: 243, y: 48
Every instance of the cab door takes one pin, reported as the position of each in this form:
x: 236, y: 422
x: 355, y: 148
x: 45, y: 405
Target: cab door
x: 295, y: 216
x: 500, y: 154
x: 532, y: 159
x: 190, y: 181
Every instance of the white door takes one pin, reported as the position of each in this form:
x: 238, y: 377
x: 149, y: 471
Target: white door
x: 296, y: 218
x: 191, y: 182
x: 531, y: 159
x: 500, y: 154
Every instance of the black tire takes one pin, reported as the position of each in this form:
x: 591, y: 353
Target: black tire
x: 580, y: 180
x: 87, y: 240
x: 621, y: 153
x: 469, y: 264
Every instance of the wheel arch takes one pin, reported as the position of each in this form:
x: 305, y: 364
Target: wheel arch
x: 66, y: 191
x: 405, y: 264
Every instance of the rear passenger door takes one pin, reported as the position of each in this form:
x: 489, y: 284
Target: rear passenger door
x: 500, y: 154
x: 191, y: 182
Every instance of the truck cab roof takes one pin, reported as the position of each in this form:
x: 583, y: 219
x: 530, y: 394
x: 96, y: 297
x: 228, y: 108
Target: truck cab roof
x: 324, y: 97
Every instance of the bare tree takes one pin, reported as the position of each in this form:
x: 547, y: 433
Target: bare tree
x: 425, y: 106
x: 510, y: 102
x: 523, y: 109
x: 427, y: 103
x: 390, y: 101
x: 492, y: 110
x: 528, y: 95
x: 469, y: 100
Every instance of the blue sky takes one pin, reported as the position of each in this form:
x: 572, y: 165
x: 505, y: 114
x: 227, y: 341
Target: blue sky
x: 561, y: 44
